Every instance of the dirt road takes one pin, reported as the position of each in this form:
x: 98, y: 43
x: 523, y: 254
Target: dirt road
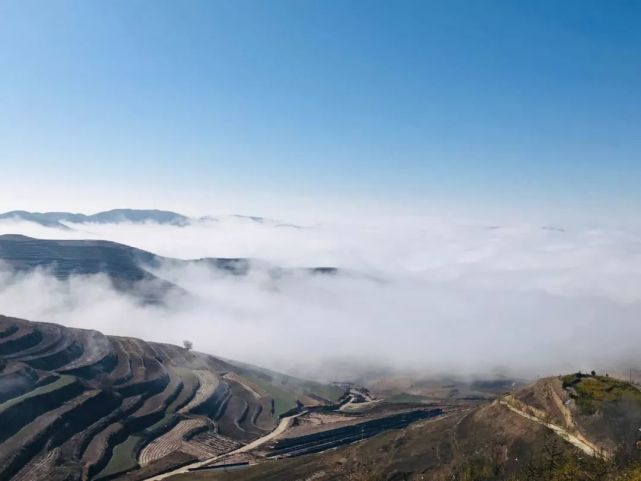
x: 583, y: 444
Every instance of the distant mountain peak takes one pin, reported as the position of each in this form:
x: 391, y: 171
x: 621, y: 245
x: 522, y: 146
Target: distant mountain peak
x: 61, y: 220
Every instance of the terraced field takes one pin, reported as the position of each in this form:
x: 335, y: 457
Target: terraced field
x: 172, y: 440
x: 79, y: 405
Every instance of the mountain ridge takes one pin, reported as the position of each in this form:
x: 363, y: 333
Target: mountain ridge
x: 57, y: 219
x: 60, y: 219
x: 126, y: 266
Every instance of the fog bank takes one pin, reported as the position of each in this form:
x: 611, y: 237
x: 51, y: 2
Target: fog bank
x: 422, y: 294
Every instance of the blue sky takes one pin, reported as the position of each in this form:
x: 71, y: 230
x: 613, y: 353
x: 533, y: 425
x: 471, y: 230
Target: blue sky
x: 470, y: 102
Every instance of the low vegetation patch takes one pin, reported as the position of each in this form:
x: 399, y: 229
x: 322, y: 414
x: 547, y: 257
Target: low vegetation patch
x: 591, y: 391
x: 283, y: 400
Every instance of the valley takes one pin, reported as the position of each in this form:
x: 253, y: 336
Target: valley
x: 305, y: 240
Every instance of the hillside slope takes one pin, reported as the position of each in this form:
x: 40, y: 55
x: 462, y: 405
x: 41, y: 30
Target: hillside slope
x: 603, y: 410
x: 487, y: 442
x: 543, y: 432
x: 76, y: 404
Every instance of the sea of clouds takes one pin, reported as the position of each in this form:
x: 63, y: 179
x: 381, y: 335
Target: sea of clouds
x: 428, y: 294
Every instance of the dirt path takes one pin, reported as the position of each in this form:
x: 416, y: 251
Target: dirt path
x: 351, y: 404
x: 582, y: 444
x: 284, y: 424
x: 251, y: 388
x: 565, y: 412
